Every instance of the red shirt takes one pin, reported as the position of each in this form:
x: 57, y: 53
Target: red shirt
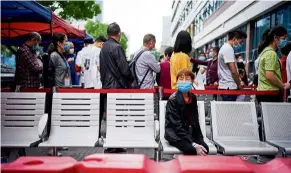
x: 165, y: 76
x: 283, y: 69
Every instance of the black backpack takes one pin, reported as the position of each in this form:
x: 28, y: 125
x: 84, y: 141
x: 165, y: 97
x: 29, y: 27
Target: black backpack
x: 132, y: 66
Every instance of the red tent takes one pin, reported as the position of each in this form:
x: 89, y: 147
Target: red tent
x: 15, y: 29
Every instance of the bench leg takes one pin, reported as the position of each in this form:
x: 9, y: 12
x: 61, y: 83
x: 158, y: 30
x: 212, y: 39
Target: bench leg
x: 55, y: 151
x: 158, y: 155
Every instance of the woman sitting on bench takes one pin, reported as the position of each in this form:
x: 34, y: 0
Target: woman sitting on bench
x: 182, y: 129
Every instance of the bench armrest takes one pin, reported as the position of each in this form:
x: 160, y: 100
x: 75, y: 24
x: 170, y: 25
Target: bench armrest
x: 157, y: 130
x: 42, y: 126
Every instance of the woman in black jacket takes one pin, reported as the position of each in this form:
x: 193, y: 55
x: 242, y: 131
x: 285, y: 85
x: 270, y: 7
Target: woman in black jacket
x: 182, y: 129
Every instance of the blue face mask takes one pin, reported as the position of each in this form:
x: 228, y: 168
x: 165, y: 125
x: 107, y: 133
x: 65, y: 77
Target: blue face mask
x: 282, y: 43
x: 184, y: 86
x: 202, y: 58
x: 35, y: 47
x: 67, y: 46
x: 211, y: 56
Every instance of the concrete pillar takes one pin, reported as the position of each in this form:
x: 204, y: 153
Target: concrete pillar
x: 248, y: 46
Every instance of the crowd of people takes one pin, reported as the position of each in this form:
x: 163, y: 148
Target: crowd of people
x: 103, y: 64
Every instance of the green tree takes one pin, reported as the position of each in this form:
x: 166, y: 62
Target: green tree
x: 79, y: 10
x: 97, y: 29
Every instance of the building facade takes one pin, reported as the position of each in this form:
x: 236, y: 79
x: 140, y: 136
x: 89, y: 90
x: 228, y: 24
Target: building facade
x: 209, y: 21
x: 166, y: 35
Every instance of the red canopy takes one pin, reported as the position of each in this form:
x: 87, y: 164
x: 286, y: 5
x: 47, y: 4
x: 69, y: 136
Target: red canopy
x: 15, y: 29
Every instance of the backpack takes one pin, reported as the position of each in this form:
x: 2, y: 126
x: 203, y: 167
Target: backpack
x: 132, y: 66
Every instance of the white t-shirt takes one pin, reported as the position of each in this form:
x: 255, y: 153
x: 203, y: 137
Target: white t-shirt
x: 225, y: 56
x: 90, y: 60
x: 288, y: 67
x: 79, y: 63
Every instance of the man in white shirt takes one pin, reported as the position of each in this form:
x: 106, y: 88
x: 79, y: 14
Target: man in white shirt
x: 227, y: 66
x: 90, y: 64
x: 80, y: 61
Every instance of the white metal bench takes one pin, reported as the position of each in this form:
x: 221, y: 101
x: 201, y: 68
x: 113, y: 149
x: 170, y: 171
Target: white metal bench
x: 20, y: 115
x: 130, y: 121
x: 166, y: 147
x: 235, y: 129
x: 277, y: 125
x: 74, y: 121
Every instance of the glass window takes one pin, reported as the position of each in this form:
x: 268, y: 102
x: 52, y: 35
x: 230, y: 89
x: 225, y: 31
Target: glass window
x: 283, y: 17
x: 261, y: 26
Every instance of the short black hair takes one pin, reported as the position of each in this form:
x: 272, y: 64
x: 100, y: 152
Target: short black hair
x: 113, y: 29
x: 237, y: 34
x: 89, y: 41
x: 168, y: 52
x: 34, y: 35
x: 101, y: 39
x: 286, y: 50
x: 183, y: 42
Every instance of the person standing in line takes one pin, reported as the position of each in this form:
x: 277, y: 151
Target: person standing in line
x: 58, y: 63
x: 146, y: 63
x: 284, y: 51
x: 180, y: 58
x: 227, y: 66
x: 270, y: 77
x: 28, y: 66
x: 71, y: 58
x: 91, y: 65
x: 165, y: 74
x: 79, y: 61
x: 114, y: 69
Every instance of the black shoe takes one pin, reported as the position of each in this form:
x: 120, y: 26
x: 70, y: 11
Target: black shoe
x: 114, y: 150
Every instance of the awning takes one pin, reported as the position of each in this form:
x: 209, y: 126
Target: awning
x: 16, y: 11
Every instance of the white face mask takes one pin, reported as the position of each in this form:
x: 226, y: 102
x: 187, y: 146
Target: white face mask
x: 71, y: 51
x: 37, y: 53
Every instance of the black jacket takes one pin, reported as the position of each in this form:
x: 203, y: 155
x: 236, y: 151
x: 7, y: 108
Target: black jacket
x: 177, y: 125
x: 114, y: 69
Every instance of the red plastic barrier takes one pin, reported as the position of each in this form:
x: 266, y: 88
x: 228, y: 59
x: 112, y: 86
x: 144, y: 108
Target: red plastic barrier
x: 278, y: 165
x: 40, y: 165
x: 227, y: 92
x: 129, y: 163
x: 118, y: 163
x: 212, y: 164
x: 81, y: 90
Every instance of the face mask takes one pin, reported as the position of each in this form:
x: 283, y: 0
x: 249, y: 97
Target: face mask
x: 282, y: 43
x: 71, y: 51
x: 35, y: 47
x: 37, y: 53
x: 237, y: 46
x: 184, y: 86
x: 211, y: 56
x: 202, y: 58
x: 66, y: 47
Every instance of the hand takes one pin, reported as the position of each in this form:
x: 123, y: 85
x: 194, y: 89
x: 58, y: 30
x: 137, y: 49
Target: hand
x: 287, y: 86
x: 200, y: 149
x: 240, y: 86
x: 215, y: 83
x: 70, y: 60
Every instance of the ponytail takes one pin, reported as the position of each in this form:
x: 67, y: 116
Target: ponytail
x: 268, y: 37
x: 264, y: 43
